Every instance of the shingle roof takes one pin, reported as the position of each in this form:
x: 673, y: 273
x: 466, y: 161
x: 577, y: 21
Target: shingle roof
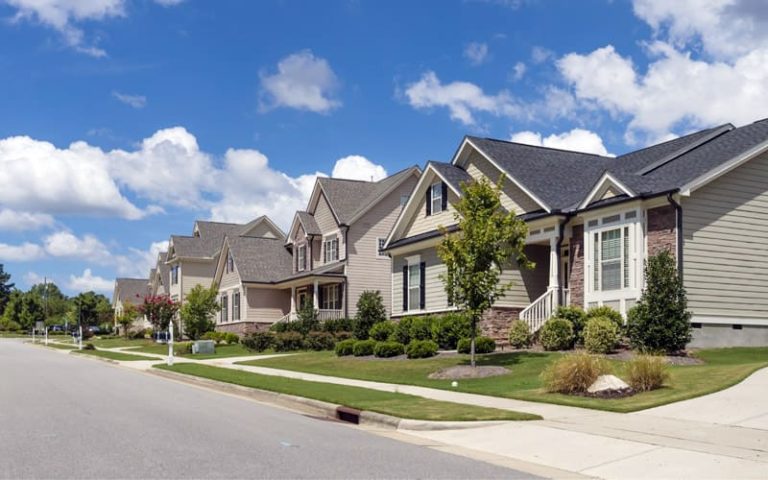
x: 132, y: 290
x: 207, y: 245
x: 308, y: 223
x: 260, y: 259
x: 452, y: 174
x: 349, y: 197
x: 162, y: 267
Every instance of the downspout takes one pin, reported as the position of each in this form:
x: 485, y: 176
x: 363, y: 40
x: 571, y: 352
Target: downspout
x: 346, y: 277
x: 558, y: 253
x: 679, y: 226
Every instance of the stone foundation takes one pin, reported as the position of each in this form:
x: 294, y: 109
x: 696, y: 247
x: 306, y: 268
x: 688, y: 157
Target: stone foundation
x: 496, y: 322
x: 576, y: 267
x: 243, y: 328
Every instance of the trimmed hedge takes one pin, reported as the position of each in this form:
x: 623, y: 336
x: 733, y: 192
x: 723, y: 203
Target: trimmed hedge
x: 520, y: 335
x: 482, y: 345
x: 259, y: 341
x: 608, y: 313
x: 556, y: 334
x: 421, y: 349
x: 576, y: 316
x: 345, y: 348
x: 288, y: 341
x: 319, y: 341
x: 448, y: 329
x: 601, y: 335
x: 382, y: 331
x: 388, y: 349
x: 363, y: 348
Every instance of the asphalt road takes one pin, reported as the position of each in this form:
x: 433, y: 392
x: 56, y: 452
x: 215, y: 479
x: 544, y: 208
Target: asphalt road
x: 68, y: 417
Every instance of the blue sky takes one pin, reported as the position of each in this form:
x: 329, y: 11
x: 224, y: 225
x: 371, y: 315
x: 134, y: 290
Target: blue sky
x: 122, y: 121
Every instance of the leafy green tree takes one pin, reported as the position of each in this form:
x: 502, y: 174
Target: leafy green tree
x: 661, y: 321
x: 13, y: 309
x: 198, y: 311
x: 31, y: 311
x: 370, y: 310
x: 488, y: 240
x: 91, y: 308
x: 55, y: 303
x: 5, y: 288
x: 127, y: 317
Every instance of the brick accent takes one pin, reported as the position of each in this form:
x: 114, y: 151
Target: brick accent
x: 243, y: 328
x: 496, y: 322
x: 662, y: 230
x: 576, y: 267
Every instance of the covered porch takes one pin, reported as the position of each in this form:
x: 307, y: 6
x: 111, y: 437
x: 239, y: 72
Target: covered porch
x: 325, y: 292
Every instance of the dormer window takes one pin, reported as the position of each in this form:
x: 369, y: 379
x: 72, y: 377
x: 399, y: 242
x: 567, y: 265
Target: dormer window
x: 437, y: 198
x: 301, y: 258
x: 331, y: 249
x: 230, y: 263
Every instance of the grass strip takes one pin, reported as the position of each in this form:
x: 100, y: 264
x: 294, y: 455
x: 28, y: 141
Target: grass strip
x: 61, y: 346
x: 396, y: 404
x: 723, y: 367
x: 121, y: 357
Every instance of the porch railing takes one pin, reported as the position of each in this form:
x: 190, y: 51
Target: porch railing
x: 322, y: 315
x: 540, y: 310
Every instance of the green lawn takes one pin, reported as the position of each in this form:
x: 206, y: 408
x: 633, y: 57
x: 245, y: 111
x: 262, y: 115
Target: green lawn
x: 397, y: 404
x: 13, y: 335
x: 723, y: 368
x: 119, y: 342
x: 122, y: 357
x: 222, y: 351
x: 60, y: 346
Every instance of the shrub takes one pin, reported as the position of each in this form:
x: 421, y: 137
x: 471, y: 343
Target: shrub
x: 520, y: 335
x: 259, y: 341
x: 319, y: 341
x: 421, y: 349
x: 660, y: 321
x: 89, y: 346
x: 601, y: 335
x: 421, y: 328
x: 573, y: 373
x: 370, y: 311
x: 609, y: 313
x: 647, y: 372
x: 388, y: 349
x: 137, y: 335
x: 231, y: 338
x: 363, y: 348
x: 336, y: 325
x: 482, y: 345
x: 288, y: 341
x: 382, y: 331
x: 339, y: 336
x: 556, y: 334
x: 403, y: 330
x: 448, y: 329
x: 344, y: 347
x: 576, y: 316
x: 182, y: 348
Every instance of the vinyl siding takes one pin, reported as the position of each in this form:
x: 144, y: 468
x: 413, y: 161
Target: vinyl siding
x: 422, y: 223
x: 196, y: 273
x: 725, y: 246
x: 229, y: 279
x: 513, y: 198
x: 366, y: 270
x: 266, y: 305
x: 528, y: 285
x: 263, y: 229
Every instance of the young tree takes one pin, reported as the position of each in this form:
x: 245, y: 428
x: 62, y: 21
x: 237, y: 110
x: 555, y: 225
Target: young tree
x: 198, y: 311
x: 661, y: 321
x: 126, y: 319
x: 370, y: 310
x: 5, y: 288
x: 488, y: 240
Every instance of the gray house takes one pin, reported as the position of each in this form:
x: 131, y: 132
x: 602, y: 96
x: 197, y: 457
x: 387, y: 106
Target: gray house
x: 593, y: 222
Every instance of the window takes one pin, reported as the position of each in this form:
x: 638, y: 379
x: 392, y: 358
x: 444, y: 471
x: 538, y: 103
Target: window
x: 437, y: 198
x: 174, y: 275
x: 301, y: 255
x: 380, y: 247
x: 612, y: 268
x: 331, y: 300
x: 331, y: 249
x: 224, y: 308
x: 230, y: 263
x: 236, y: 306
x: 414, y: 287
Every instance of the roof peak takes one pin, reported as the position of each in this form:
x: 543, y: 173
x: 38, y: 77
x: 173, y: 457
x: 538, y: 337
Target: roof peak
x: 509, y: 142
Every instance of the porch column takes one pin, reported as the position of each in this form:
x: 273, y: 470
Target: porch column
x: 315, y: 302
x: 553, y: 267
x: 293, y: 299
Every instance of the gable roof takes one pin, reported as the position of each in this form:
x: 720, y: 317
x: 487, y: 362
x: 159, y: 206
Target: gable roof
x: 131, y: 290
x: 308, y: 223
x: 162, y: 268
x: 451, y: 174
x: 208, y: 243
x: 259, y: 259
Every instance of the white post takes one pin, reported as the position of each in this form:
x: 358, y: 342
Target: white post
x: 33, y: 334
x: 80, y: 339
x: 293, y: 300
x: 553, y: 280
x: 46, y: 336
x: 315, y: 302
x: 170, y: 345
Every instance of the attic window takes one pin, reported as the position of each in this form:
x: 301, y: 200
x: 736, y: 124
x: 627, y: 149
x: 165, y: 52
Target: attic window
x: 230, y: 263
x: 437, y: 198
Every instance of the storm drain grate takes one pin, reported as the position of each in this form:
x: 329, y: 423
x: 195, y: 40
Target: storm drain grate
x: 346, y: 414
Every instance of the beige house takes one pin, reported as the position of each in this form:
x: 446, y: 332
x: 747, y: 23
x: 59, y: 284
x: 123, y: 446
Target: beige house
x: 594, y: 220
x: 159, y: 276
x: 129, y: 291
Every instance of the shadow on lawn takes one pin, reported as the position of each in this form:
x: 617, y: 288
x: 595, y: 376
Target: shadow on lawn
x: 506, y: 359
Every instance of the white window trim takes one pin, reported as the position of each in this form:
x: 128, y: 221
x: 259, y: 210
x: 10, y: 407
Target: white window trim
x: 636, y: 257
x: 325, y: 305
x: 436, y: 187
x: 379, y: 253
x: 301, y: 258
x: 239, y: 306
x: 328, y: 254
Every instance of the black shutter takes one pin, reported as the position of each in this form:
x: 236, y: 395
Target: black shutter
x: 429, y: 200
x: 342, y: 286
x: 320, y: 292
x: 422, y: 290
x: 444, y: 195
x: 405, y: 288
x: 337, y: 249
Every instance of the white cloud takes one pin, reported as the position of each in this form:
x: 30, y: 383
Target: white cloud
x: 169, y: 3
x: 38, y: 178
x: 356, y: 167
x: 88, y: 281
x: 541, y: 54
x: 134, y: 101
x: 303, y: 82
x: 462, y: 99
x: 67, y: 245
x: 32, y: 278
x: 518, y: 71
x: 19, y: 221
x: 25, y: 252
x: 476, y: 53
x: 63, y: 15
x: 578, y: 140
x: 137, y: 263
x: 676, y: 91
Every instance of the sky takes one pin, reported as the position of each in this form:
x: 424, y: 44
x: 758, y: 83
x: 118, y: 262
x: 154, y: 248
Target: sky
x: 123, y: 121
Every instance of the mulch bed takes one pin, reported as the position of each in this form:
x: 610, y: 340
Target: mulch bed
x: 463, y: 372
x: 627, y: 355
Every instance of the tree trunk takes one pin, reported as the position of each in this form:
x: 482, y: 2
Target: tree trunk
x: 472, y: 342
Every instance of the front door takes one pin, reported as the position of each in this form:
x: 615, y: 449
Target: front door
x: 302, y: 298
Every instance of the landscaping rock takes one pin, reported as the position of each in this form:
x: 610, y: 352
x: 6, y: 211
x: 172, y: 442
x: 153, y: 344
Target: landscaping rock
x: 465, y: 371
x: 605, y: 383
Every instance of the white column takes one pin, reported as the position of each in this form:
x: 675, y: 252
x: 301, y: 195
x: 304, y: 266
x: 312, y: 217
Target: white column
x: 293, y: 299
x: 315, y: 302
x: 553, y: 280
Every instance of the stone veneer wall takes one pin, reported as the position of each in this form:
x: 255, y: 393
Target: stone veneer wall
x: 662, y: 230
x: 243, y: 328
x: 496, y: 322
x: 576, y: 268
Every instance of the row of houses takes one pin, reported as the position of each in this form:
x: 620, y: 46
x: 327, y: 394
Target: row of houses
x: 593, y: 221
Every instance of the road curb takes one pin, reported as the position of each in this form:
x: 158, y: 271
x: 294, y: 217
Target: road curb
x: 320, y: 408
